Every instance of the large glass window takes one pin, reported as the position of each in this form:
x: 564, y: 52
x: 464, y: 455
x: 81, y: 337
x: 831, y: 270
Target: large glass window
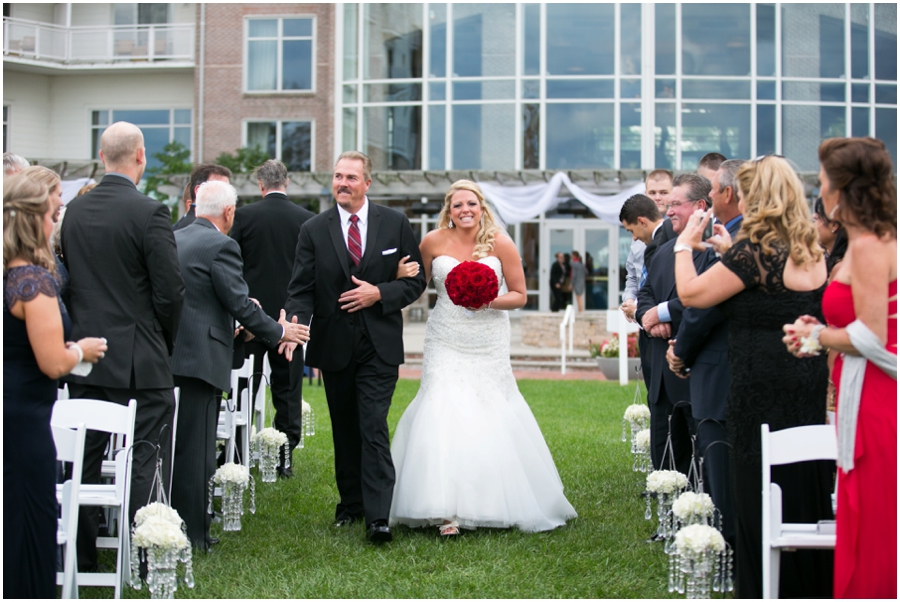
x: 159, y: 127
x: 580, y: 136
x: 804, y: 127
x: 484, y: 136
x: 393, y: 41
x: 715, y: 39
x: 714, y: 128
x: 812, y: 39
x: 580, y: 39
x: 886, y: 42
x: 288, y: 141
x: 393, y: 136
x: 279, y: 54
x: 484, y: 40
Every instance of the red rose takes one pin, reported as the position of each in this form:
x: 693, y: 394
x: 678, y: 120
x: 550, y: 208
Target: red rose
x: 472, y: 284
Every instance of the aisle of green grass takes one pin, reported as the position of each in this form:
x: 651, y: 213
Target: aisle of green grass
x: 289, y: 548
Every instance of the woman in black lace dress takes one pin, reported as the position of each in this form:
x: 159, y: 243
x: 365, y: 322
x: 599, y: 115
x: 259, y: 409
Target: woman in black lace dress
x: 35, y: 354
x: 774, y: 269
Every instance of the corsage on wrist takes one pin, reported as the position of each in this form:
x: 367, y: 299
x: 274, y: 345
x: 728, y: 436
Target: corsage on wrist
x: 810, y: 345
x: 78, y: 350
x: 682, y: 247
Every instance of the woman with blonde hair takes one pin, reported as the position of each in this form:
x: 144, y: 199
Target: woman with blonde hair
x: 774, y: 271
x: 468, y: 452
x: 859, y: 190
x: 35, y: 354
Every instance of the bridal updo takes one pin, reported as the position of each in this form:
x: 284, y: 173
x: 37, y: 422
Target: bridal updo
x: 488, y: 228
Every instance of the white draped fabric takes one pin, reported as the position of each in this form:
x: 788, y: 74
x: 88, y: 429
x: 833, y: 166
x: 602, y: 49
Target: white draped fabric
x: 517, y: 204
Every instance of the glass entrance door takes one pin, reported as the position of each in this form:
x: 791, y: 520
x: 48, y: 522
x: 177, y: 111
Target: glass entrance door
x: 598, y: 244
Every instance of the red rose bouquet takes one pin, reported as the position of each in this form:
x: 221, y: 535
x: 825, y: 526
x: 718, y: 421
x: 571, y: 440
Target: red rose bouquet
x: 472, y: 284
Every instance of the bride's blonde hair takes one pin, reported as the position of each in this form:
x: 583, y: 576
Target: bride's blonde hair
x: 488, y: 228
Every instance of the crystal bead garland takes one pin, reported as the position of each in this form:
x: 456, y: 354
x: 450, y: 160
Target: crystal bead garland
x: 701, y: 562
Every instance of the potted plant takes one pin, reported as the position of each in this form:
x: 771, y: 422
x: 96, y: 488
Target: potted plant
x: 607, y: 355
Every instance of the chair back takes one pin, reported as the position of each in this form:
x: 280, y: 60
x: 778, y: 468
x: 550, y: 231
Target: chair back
x: 69, y: 448
x: 96, y: 415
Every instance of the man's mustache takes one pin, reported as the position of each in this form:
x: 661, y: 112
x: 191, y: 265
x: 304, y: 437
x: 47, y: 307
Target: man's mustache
x: 343, y: 189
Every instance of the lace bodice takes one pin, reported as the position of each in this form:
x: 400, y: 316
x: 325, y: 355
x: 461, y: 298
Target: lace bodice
x: 768, y: 383
x: 26, y: 282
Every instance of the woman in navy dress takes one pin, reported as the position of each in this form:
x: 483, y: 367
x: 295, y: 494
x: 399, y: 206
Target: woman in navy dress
x: 35, y: 354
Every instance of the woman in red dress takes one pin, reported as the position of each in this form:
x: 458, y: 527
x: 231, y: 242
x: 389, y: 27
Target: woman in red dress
x: 860, y: 306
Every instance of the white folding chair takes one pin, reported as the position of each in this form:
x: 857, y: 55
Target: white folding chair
x: 233, y: 415
x: 174, y: 432
x: 114, y: 419
x: 259, y: 402
x: 69, y: 448
x: 789, y: 446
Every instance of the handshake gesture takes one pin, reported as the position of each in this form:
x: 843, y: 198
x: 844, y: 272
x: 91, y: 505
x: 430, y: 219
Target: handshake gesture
x: 294, y: 334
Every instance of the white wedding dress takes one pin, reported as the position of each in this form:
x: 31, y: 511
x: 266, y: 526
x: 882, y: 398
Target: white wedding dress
x: 468, y: 447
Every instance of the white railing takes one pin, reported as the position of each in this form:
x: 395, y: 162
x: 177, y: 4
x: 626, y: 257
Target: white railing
x: 567, y: 321
x: 97, y: 44
x: 617, y: 323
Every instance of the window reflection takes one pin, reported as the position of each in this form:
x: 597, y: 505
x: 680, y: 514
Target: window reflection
x: 531, y: 141
x: 437, y: 117
x: 392, y: 137
x: 715, y: 39
x: 665, y: 39
x: 860, y: 117
x: 859, y: 40
x: 631, y: 39
x: 484, y: 40
x: 483, y: 136
x: 719, y: 128
x: 664, y: 136
x: 393, y: 41
x: 630, y: 128
x: 765, y: 39
x: 886, y: 129
x: 437, y: 15
x: 532, y: 39
x: 812, y: 38
x: 886, y: 46
x: 804, y: 128
x: 580, y: 39
x: 580, y: 136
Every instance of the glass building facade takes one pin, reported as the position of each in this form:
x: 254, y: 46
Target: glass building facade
x: 506, y: 87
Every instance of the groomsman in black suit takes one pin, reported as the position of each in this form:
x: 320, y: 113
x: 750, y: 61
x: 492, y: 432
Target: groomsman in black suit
x: 125, y: 284
x: 659, y: 312
x: 267, y: 233
x: 215, y: 295
x: 702, y: 347
x: 206, y: 172
x: 345, y: 281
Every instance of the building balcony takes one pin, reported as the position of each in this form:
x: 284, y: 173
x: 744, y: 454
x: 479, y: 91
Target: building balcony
x: 30, y: 43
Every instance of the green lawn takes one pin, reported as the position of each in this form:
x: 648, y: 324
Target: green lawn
x: 289, y: 548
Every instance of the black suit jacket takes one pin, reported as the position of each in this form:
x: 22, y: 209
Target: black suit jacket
x: 125, y: 283
x: 702, y: 343
x: 662, y: 236
x: 322, y: 274
x: 215, y: 295
x: 267, y: 233
x: 186, y: 220
x: 660, y: 287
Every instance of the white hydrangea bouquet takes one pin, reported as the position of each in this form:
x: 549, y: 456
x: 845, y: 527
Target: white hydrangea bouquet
x: 267, y: 443
x: 233, y: 480
x: 701, y: 562
x: 665, y: 485
x: 637, y: 417
x: 159, y: 532
x: 695, y: 509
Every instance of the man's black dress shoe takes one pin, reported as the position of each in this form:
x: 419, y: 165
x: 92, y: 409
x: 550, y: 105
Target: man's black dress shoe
x: 212, y: 541
x: 285, y: 473
x: 346, y: 521
x: 378, y: 532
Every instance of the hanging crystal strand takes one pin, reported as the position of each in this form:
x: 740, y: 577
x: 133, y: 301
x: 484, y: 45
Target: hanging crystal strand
x: 672, y: 568
x: 188, y: 568
x: 311, y: 425
x: 135, y: 565
x: 729, y: 569
x: 648, y: 512
x: 287, y: 453
x: 623, y: 430
x: 682, y: 571
x: 252, y: 495
x: 660, y: 514
x: 212, y: 490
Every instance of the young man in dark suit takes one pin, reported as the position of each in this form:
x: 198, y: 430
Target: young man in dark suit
x: 344, y: 279
x: 215, y: 296
x: 125, y: 285
x: 206, y: 172
x: 660, y: 311
x: 267, y: 233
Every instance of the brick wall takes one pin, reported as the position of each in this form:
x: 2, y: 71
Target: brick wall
x: 542, y: 329
x: 226, y: 106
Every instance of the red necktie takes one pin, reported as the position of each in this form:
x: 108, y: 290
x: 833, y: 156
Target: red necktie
x: 354, y: 240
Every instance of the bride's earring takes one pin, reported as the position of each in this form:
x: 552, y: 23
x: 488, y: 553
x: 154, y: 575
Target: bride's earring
x: 450, y: 225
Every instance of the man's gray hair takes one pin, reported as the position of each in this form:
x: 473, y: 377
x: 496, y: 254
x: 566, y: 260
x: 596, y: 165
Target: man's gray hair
x: 212, y: 198
x: 728, y: 176
x: 13, y: 164
x: 272, y: 174
x: 696, y: 187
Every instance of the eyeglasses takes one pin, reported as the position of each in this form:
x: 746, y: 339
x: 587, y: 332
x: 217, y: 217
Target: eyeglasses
x: 761, y: 157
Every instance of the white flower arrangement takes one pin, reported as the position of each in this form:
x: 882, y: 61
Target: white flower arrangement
x: 637, y: 412
x: 160, y: 532
x: 270, y: 436
x: 665, y: 481
x: 642, y: 440
x: 697, y: 539
x: 690, y: 504
x: 232, y: 473
x: 160, y: 510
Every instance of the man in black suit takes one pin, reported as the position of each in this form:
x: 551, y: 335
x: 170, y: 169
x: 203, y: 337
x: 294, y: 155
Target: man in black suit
x: 215, y: 295
x: 126, y: 285
x: 702, y: 347
x: 558, y: 274
x: 206, y: 172
x: 345, y: 280
x: 659, y: 312
x: 267, y: 233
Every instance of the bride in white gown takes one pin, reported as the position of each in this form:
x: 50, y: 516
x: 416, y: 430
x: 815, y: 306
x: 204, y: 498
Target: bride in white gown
x: 468, y: 452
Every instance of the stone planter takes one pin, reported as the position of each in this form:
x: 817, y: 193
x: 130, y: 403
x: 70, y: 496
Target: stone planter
x: 610, y: 367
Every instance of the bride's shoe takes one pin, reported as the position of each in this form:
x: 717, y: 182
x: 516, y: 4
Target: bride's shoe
x: 449, y: 529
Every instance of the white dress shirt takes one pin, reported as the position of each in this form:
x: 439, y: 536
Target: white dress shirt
x: 363, y: 223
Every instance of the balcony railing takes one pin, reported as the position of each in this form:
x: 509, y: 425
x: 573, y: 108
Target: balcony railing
x: 116, y: 44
